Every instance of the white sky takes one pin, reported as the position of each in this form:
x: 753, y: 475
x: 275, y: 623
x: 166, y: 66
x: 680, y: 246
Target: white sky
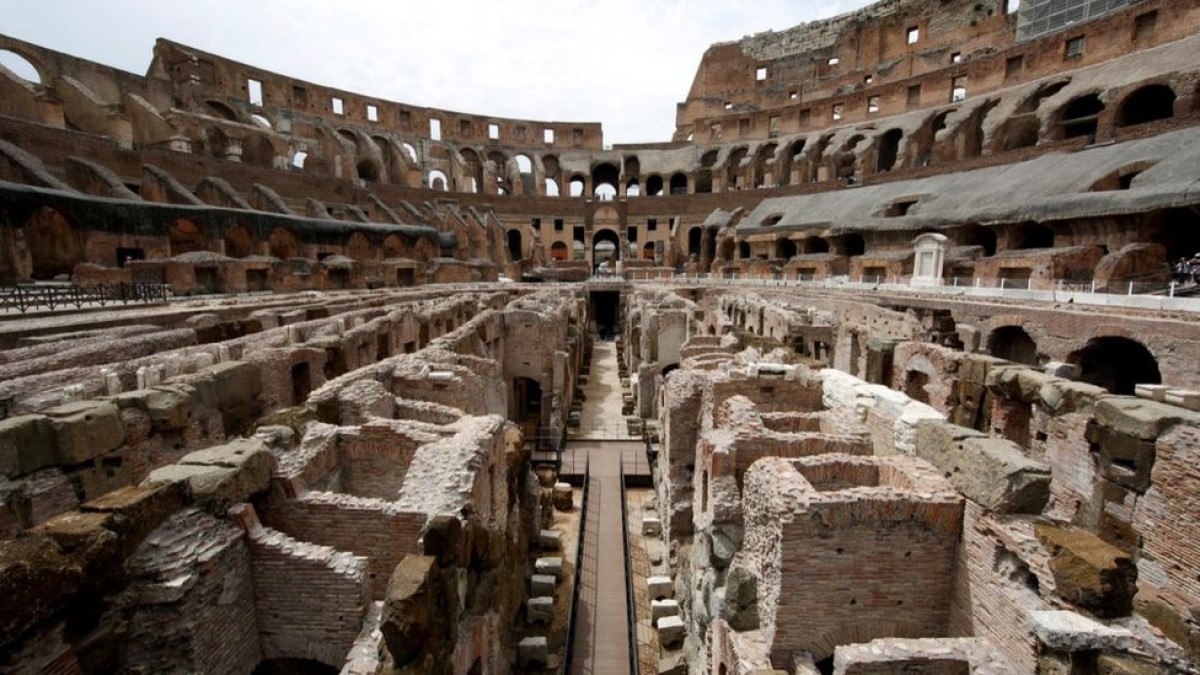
x: 625, y: 63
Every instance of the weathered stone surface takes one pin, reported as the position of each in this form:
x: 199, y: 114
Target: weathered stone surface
x: 671, y: 631
x: 533, y: 652
x: 1088, y: 571
x: 168, y: 407
x: 221, y: 476
x: 1141, y: 418
x: 564, y: 497
x: 233, y: 388
x: 741, y: 599
x: 35, y: 579
x: 1072, y: 632
x: 139, y: 509
x: 27, y: 443
x: 991, y: 472
x: 540, y: 610
x: 85, y: 430
x: 413, y: 614
x: 542, y: 585
x: 550, y: 566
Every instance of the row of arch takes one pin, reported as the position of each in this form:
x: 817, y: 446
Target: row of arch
x: 55, y: 245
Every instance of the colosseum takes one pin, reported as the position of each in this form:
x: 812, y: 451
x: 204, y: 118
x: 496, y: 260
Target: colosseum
x: 887, y: 362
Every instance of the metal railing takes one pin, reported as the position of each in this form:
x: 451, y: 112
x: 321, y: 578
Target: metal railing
x: 52, y: 296
x: 1139, y: 294
x: 630, y: 603
x: 584, y: 506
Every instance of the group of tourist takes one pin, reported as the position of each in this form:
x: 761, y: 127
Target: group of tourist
x: 1187, y: 269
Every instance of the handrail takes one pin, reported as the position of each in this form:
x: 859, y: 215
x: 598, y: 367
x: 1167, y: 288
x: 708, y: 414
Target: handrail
x: 51, y: 297
x: 630, y: 606
x: 568, y: 654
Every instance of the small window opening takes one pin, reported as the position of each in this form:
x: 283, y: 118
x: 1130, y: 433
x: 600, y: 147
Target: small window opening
x: 548, y: 136
x: 760, y: 74
x: 793, y: 96
x: 1144, y: 26
x: 372, y: 113
x: 914, y: 35
x: 1012, y: 6
x: 837, y: 112
x: 834, y: 61
x: 339, y: 106
x: 899, y: 208
x: 1013, y: 67
x: 494, y: 131
x: 1074, y: 47
x: 958, y: 89
x: 956, y: 57
x: 435, y: 130
x: 254, y: 88
x: 873, y: 104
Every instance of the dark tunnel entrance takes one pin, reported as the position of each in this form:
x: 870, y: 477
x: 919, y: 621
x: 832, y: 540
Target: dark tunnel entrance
x: 605, y: 309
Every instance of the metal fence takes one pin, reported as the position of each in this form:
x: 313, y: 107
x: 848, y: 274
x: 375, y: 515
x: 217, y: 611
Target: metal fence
x: 585, y: 500
x: 630, y: 604
x: 22, y: 299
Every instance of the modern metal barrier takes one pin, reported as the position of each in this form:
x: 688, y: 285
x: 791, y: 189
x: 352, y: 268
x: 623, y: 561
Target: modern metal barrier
x: 569, y: 652
x: 52, y: 297
x: 630, y: 605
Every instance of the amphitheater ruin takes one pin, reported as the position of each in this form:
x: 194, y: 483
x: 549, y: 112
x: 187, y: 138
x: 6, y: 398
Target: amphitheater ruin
x: 888, y: 362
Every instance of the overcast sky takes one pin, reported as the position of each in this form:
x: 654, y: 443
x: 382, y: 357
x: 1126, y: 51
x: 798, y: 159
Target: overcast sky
x: 624, y: 63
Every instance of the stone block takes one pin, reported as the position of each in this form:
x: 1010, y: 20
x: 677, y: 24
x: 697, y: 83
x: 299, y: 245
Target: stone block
x: 660, y: 587
x: 1071, y: 632
x: 233, y: 388
x: 740, y: 609
x: 412, y: 611
x: 1184, y: 398
x: 552, y: 566
x: 27, y: 443
x: 549, y: 540
x: 540, y: 610
x: 169, y: 407
x: 140, y: 509
x: 36, y: 579
x: 661, y: 608
x: 542, y: 585
x: 1125, y: 460
x: 992, y: 472
x: 670, y: 631
x: 223, y: 475
x: 1088, y: 571
x: 533, y: 652
x: 1153, y: 392
x: 651, y: 526
x: 1069, y: 371
x: 564, y: 496
x: 675, y: 664
x: 85, y: 430
x: 1141, y: 418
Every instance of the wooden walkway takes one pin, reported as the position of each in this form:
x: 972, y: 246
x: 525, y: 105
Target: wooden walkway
x: 601, y: 618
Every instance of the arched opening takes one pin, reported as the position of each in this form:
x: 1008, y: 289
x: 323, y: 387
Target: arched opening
x: 437, y: 180
x: 281, y: 244
x: 551, y: 187
x: 575, y: 186
x: 916, y: 385
x: 605, y: 247
x: 527, y: 407
x: 368, y: 171
x: 221, y: 110
x: 410, y: 151
x: 654, y: 185
x: 184, y: 237
x: 785, y: 249
x: 853, y: 245
x: 20, y: 66
x: 743, y: 249
x: 764, y: 158
x: 1116, y: 363
x: 632, y: 189
x: 733, y: 167
x: 704, y: 181
x: 1147, y: 104
x: 889, y: 149
x: 1018, y: 132
x: 1012, y: 343
x: 524, y: 164
x: 238, y: 242
x: 261, y: 120
x: 299, y: 159
x: 358, y: 246
x: 815, y: 245
x: 1030, y: 236
x: 559, y: 250
x: 679, y: 184
x: 393, y: 247
x: 977, y: 235
x: 648, y: 251
x: 694, y: 241
x: 54, y: 249
x: 514, y: 245
x: 1080, y: 116
x: 605, y: 178
x: 293, y: 666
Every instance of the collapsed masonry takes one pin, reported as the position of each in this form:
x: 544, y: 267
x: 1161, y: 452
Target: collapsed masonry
x: 819, y: 522
x: 316, y: 495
